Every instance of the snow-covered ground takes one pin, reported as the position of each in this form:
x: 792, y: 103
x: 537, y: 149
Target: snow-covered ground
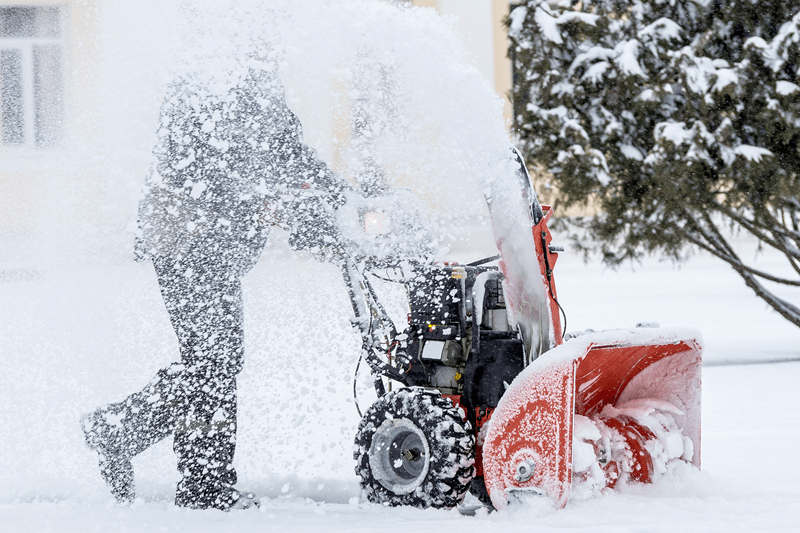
x: 74, y: 339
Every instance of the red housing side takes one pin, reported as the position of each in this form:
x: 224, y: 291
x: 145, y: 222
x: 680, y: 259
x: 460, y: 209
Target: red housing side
x: 534, y: 421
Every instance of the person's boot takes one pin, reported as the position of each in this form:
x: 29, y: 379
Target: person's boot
x: 217, y: 495
x: 115, y: 468
x: 205, y: 442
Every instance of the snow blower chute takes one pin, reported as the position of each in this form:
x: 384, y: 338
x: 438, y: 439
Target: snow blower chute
x: 493, y: 400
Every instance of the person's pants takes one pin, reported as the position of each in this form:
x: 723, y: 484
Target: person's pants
x: 194, y: 400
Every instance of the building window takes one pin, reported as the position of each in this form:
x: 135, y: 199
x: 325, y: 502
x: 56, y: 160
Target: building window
x: 31, y: 79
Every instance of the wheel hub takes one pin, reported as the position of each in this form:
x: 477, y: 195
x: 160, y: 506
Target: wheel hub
x: 411, y: 455
x: 399, y: 455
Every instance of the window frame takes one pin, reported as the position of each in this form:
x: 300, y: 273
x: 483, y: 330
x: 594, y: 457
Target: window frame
x: 26, y: 46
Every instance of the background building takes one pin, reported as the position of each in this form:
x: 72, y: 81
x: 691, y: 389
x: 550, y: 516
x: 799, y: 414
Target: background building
x: 80, y: 86
x: 49, y: 96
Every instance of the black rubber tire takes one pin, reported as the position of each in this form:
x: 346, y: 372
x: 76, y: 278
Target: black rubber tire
x: 450, y: 444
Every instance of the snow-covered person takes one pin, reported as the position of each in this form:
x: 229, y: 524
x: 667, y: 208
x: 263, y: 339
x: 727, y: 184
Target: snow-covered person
x: 230, y: 157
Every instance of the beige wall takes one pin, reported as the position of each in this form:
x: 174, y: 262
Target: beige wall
x: 481, y: 22
x: 502, y: 64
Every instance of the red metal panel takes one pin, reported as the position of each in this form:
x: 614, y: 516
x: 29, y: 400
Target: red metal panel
x: 606, y: 370
x: 533, y: 424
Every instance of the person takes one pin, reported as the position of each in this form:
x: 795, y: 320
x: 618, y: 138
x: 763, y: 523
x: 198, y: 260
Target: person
x: 230, y: 160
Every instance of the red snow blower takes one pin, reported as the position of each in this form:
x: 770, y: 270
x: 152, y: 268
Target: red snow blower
x: 493, y: 398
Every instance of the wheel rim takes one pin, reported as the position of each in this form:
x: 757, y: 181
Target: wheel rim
x: 399, y: 455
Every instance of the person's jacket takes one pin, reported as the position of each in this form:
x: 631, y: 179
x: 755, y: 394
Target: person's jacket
x: 223, y: 149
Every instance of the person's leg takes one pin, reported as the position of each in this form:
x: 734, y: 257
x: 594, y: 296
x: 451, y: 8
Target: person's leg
x: 120, y: 431
x: 205, y: 441
x: 204, y: 301
x: 195, y: 400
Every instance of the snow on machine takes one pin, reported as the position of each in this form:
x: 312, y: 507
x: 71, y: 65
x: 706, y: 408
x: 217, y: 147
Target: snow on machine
x: 493, y: 398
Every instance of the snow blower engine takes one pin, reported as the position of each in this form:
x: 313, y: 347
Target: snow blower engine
x: 481, y: 393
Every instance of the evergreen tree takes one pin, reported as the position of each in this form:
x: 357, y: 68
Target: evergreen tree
x: 677, y: 119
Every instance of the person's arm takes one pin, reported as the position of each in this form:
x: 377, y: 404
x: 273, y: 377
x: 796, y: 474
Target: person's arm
x: 297, y: 164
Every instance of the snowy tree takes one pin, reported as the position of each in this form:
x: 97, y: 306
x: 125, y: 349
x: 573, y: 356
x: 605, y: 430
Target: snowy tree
x: 677, y: 120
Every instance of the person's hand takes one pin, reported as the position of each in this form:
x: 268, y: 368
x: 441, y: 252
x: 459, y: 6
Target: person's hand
x: 272, y: 213
x: 314, y: 228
